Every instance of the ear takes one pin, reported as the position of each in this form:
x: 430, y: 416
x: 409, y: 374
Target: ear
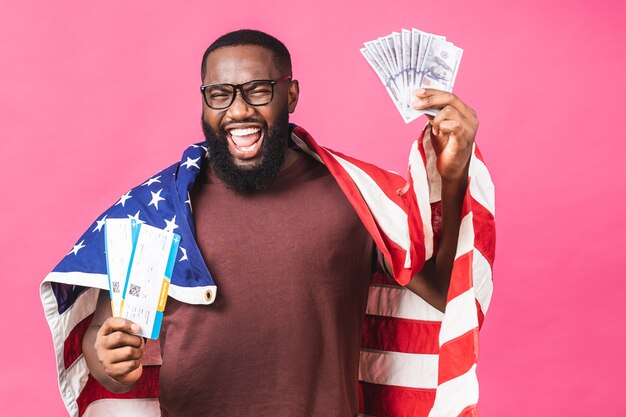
x: 294, y: 93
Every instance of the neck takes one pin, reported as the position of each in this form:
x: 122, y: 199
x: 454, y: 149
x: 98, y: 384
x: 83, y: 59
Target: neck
x: 290, y: 157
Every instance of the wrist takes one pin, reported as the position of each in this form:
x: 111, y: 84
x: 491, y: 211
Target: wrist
x: 116, y: 386
x: 457, y: 181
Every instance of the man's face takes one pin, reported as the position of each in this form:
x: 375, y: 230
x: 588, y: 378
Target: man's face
x: 247, y: 132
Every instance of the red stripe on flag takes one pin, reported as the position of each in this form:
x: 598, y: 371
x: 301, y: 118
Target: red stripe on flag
x: 421, y: 148
x: 416, y: 234
x: 392, y: 401
x: 484, y: 231
x: 73, y: 345
x: 435, y: 220
x: 469, y: 411
x: 458, y: 355
x: 147, y: 387
x: 478, y: 154
x: 481, y: 315
x: 461, y: 279
x: 392, y: 181
x: 397, y: 255
x: 400, y: 335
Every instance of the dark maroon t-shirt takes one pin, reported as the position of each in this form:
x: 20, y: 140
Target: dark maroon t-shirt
x: 292, y: 265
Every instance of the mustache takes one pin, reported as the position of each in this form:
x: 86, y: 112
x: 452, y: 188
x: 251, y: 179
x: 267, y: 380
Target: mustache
x: 246, y: 120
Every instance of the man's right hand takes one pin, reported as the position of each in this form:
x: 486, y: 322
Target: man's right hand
x: 112, y: 349
x: 120, y: 351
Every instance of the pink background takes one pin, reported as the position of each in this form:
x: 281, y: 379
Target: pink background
x: 89, y: 86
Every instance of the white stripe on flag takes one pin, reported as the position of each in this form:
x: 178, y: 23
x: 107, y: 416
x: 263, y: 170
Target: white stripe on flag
x: 77, y: 375
x: 144, y: 407
x: 481, y: 187
x: 304, y: 147
x: 483, y: 284
x: 400, y: 302
x: 460, y: 318
x: 417, y: 171
x: 455, y: 395
x: 410, y: 370
x: 465, y: 243
x: 60, y: 327
x: 434, y: 179
x: 391, y: 218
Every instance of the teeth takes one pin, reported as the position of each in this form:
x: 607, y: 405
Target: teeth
x: 244, y: 132
x: 248, y: 148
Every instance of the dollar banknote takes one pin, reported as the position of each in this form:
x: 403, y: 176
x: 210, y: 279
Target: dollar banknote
x: 410, y: 59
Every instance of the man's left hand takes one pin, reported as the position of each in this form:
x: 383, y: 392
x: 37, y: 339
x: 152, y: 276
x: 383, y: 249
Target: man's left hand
x: 452, y: 131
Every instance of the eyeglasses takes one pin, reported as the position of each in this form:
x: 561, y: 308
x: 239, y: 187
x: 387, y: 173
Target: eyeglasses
x: 255, y: 93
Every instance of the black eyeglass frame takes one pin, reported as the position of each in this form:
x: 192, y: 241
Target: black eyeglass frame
x: 241, y: 90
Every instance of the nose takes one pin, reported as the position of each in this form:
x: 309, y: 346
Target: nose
x: 239, y: 109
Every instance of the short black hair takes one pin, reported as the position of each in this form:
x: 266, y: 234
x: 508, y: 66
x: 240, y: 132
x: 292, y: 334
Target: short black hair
x: 252, y: 37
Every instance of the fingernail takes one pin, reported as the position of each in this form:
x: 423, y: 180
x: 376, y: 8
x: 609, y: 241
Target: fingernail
x: 134, y: 328
x: 418, y: 103
x: 420, y: 91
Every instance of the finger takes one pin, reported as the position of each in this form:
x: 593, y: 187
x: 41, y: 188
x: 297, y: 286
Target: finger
x: 448, y: 127
x: 119, y: 339
x: 425, y: 92
x: 123, y: 354
x: 441, y: 99
x: 115, y: 324
x: 447, y: 113
x: 121, y: 369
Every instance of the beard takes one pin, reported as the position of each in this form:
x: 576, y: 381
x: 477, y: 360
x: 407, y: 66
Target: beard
x: 248, y: 179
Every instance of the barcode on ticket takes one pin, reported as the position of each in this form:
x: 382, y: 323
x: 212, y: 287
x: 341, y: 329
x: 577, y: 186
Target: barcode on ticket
x: 134, y: 290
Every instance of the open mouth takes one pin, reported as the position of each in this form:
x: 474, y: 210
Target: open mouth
x: 245, y: 141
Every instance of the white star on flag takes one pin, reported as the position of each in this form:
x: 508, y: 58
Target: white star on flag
x: 136, y: 217
x: 156, y: 197
x: 188, y: 201
x: 123, y: 198
x: 100, y: 224
x: 152, y: 180
x: 191, y: 162
x: 77, y: 247
x: 206, y: 151
x: 184, y: 257
x: 170, y: 225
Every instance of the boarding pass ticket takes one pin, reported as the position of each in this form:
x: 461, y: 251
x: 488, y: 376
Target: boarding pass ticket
x: 140, y: 261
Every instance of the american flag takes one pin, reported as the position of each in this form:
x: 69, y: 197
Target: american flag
x: 415, y: 360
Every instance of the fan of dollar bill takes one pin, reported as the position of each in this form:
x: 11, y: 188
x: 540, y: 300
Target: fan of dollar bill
x: 410, y: 60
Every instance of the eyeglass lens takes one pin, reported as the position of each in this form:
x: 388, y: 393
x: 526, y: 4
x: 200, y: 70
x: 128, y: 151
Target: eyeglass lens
x: 255, y: 93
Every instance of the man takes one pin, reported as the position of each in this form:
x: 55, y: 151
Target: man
x: 291, y: 255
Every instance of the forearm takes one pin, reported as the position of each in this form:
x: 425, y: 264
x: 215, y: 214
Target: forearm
x: 452, y: 195
x: 433, y: 280
x: 452, y: 132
